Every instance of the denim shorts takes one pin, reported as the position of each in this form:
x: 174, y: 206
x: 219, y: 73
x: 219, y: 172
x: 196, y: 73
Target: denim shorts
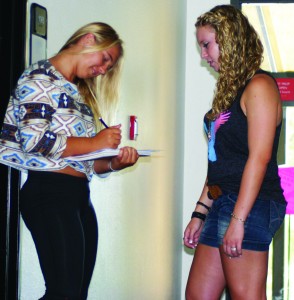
x: 264, y: 219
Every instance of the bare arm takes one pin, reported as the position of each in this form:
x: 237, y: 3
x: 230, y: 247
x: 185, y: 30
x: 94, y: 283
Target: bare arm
x: 106, y: 138
x: 194, y: 228
x: 127, y: 157
x: 261, y: 104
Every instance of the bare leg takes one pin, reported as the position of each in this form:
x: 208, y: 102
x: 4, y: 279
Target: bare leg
x: 246, y: 276
x: 206, y: 279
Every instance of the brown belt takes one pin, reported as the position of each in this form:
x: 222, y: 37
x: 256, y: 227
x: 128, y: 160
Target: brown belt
x: 214, y: 191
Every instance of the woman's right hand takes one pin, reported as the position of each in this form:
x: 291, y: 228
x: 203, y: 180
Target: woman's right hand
x: 107, y: 138
x: 192, y: 233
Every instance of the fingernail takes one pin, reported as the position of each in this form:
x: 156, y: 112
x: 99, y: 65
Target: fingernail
x: 190, y: 242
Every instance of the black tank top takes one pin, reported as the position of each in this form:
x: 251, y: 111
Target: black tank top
x: 228, y: 152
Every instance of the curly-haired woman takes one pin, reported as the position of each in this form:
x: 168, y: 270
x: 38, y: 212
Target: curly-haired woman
x: 242, y: 203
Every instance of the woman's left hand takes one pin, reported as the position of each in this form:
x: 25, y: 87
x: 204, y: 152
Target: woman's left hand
x: 233, y: 238
x: 127, y: 157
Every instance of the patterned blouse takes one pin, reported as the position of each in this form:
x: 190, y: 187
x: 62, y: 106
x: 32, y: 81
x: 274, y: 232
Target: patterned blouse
x: 42, y: 112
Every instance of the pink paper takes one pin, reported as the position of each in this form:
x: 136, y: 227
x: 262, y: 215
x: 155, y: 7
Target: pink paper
x: 287, y: 183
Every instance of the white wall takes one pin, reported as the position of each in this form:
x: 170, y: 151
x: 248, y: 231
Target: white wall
x: 140, y: 209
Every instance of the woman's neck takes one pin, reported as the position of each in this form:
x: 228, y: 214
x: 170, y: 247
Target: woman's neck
x: 64, y: 63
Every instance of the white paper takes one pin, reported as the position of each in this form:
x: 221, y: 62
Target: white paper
x: 103, y: 153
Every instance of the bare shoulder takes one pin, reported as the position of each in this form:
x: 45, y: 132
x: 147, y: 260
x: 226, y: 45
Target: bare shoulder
x: 262, y: 88
x: 261, y: 96
x: 262, y: 84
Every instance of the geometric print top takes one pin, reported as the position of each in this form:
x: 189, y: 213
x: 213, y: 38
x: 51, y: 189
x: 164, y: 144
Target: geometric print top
x: 43, y: 110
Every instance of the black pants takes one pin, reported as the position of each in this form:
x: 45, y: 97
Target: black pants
x: 57, y: 210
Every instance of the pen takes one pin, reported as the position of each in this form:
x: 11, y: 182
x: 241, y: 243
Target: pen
x: 101, y: 120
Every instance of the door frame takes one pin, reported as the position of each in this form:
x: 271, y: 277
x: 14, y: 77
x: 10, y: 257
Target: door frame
x: 12, y: 53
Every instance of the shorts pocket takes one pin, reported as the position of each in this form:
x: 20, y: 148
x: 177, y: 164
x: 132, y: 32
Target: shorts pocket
x: 277, y: 215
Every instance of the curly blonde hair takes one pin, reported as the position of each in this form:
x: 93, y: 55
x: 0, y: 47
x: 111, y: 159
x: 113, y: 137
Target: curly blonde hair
x: 100, y: 93
x: 241, y: 53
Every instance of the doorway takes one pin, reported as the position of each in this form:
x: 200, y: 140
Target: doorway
x: 12, y: 50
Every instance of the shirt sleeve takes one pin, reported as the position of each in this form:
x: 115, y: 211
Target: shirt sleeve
x: 35, y: 103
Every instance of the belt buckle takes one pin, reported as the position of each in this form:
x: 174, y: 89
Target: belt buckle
x: 214, y: 191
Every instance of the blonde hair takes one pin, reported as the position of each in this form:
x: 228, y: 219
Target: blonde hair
x: 241, y: 53
x: 100, y: 93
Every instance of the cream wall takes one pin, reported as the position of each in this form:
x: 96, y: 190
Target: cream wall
x: 142, y: 211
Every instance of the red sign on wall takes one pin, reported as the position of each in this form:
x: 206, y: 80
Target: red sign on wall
x: 286, y: 87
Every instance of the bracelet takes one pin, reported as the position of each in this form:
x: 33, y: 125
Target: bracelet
x: 204, y: 205
x: 110, y: 167
x: 198, y: 215
x: 236, y: 218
